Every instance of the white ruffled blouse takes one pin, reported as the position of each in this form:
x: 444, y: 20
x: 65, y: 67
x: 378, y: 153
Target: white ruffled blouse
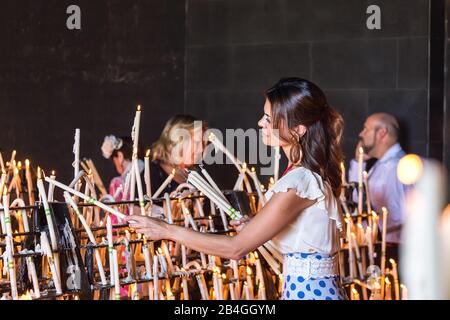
x: 315, y: 228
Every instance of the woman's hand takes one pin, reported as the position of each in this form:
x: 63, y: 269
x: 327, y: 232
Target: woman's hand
x: 241, y: 223
x: 151, y: 228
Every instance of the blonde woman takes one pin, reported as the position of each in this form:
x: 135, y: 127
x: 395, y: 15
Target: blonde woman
x: 179, y: 146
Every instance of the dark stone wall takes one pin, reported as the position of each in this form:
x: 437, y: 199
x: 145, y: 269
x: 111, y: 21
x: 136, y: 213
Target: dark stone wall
x: 236, y: 49
x: 53, y: 80
x: 211, y: 58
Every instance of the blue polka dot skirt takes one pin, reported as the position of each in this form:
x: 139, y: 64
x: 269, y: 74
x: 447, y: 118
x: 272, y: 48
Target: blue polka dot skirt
x: 296, y: 287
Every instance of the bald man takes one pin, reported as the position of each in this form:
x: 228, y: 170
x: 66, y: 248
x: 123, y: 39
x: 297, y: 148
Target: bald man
x: 379, y: 139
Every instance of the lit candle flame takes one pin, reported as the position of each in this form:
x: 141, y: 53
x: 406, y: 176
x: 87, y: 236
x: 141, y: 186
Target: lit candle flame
x: 139, y: 107
x: 39, y: 173
x: 173, y: 172
x: 27, y: 163
x: 53, y: 173
x: 26, y: 296
x: 409, y: 169
x: 147, y: 154
x: 253, y: 169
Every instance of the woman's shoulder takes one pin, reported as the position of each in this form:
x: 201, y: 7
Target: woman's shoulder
x: 305, y: 182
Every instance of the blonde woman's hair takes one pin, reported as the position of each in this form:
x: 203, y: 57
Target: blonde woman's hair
x: 170, y: 137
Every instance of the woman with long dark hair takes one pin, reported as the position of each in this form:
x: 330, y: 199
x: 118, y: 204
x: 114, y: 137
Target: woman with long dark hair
x: 301, y: 216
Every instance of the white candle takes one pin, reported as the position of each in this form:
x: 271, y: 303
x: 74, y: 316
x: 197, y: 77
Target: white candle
x: 11, y: 266
x: 355, y: 294
x: 51, y: 187
x: 404, y: 292
x: 76, y: 152
x: 247, y: 292
x: 259, y: 272
x: 90, y: 235
x: 211, y: 181
x: 375, y: 227
x: 88, y: 199
x: 276, y: 171
x: 238, y: 186
x: 2, y: 164
x: 146, y: 253
x: 343, y: 177
x: 162, y: 261
x: 184, y: 285
x: 224, y: 219
x: 98, y: 181
x: 167, y: 256
x: 261, y: 197
x: 139, y: 186
x: 116, y: 275
x: 168, y: 206
x: 147, y: 179
x: 366, y: 184
x: 48, y: 216
x: 350, y: 250
x: 249, y: 281
x: 388, y: 295
x: 136, y: 126
x: 164, y: 184
x: 395, y: 275
x: 3, y: 180
x: 370, y: 245
x: 45, y: 246
x: 232, y: 291
x: 29, y: 182
x: 207, y: 191
x: 358, y: 254
x: 360, y: 180
x: 109, y: 236
x: 32, y: 272
x: 155, y: 278
x: 211, y: 225
x: 272, y: 263
x: 199, y: 205
x: 383, y: 249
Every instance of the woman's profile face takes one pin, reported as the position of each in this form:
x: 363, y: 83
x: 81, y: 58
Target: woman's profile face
x: 118, y: 162
x: 270, y: 135
x: 193, y: 148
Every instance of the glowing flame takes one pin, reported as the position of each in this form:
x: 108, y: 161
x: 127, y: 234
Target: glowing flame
x: 173, y: 172
x: 19, y: 165
x: 139, y: 107
x: 53, y: 173
x: 147, y: 154
x: 26, y: 296
x: 253, y: 169
x: 27, y: 163
x: 361, y: 150
x: 409, y: 169
x: 39, y: 175
x: 249, y: 271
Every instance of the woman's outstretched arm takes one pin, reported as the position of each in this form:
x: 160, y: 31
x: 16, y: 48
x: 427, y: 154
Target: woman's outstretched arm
x: 282, y: 209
